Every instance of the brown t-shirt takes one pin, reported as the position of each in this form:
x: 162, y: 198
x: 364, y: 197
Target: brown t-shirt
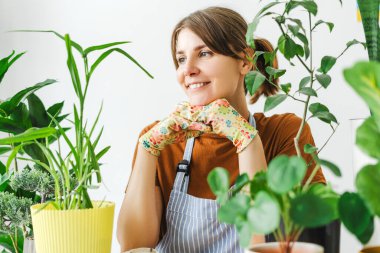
x: 277, y: 134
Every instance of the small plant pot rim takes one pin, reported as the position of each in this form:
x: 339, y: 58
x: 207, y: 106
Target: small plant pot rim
x: 63, y: 231
x: 371, y: 249
x: 304, y: 247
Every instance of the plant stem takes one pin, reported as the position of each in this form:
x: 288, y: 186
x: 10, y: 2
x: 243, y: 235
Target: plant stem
x: 310, y: 178
x: 328, y: 139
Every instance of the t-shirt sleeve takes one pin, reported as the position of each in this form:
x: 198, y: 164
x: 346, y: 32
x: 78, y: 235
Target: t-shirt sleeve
x: 287, y: 133
x: 146, y: 129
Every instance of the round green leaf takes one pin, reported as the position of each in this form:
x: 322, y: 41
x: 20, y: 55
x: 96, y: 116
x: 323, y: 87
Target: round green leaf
x: 317, y: 107
x: 309, y: 210
x: 259, y: 183
x: 368, y: 138
x: 273, y: 101
x: 324, y: 80
x: 327, y: 63
x: 264, y: 216
x: 367, y: 183
x: 234, y: 208
x: 218, y: 180
x: 285, y: 172
x: 325, y: 117
x: 354, y: 213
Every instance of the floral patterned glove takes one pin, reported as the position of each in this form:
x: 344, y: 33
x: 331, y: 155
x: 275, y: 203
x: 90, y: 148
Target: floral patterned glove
x: 172, y: 129
x: 223, y: 119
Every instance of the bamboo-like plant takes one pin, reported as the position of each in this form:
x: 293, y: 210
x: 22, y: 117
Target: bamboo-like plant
x: 257, y: 205
x: 75, y: 172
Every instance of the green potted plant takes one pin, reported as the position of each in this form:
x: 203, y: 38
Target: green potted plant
x: 25, y: 116
x: 72, y: 222
x: 364, y: 78
x: 275, y: 201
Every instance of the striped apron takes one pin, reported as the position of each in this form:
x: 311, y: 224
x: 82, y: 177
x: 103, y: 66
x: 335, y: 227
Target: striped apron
x: 192, y: 224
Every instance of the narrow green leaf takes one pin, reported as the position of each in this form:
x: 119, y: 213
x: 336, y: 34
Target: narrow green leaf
x: 118, y: 50
x: 9, y: 105
x: 75, y: 45
x: 308, y: 91
x: 253, y: 80
x: 73, y: 69
x: 304, y: 81
x: 325, y: 117
x: 273, y: 101
x: 331, y: 166
x: 329, y: 24
x: 354, y: 42
x: 317, y: 107
x: 104, y: 46
x: 5, y: 65
x: 324, y: 80
x: 309, y: 149
x: 327, y: 63
x: 12, y: 156
x: 102, y: 152
x: 29, y: 135
x: 286, y: 87
x: 4, y: 150
x: 10, y: 126
x: 308, y: 5
x: 275, y: 72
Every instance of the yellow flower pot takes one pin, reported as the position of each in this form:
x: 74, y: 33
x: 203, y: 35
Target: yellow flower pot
x: 74, y: 231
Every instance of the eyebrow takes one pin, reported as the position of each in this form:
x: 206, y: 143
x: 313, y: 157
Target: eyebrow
x: 194, y: 49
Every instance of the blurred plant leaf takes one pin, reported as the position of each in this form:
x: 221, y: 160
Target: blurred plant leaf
x: 285, y: 172
x: 367, y: 182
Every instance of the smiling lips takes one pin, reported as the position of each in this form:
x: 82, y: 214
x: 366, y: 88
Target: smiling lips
x: 197, y: 85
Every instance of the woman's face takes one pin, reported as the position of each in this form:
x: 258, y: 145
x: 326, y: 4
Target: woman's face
x: 204, y: 75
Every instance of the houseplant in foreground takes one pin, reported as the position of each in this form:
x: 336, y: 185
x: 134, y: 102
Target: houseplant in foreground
x: 258, y: 205
x: 23, y: 115
x: 72, y: 222
x: 364, y: 78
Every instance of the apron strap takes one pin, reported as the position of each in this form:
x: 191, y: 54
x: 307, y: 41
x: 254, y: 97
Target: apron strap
x: 181, y: 181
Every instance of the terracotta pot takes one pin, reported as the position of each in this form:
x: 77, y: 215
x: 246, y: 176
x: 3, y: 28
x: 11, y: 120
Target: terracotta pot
x: 299, y: 247
x: 375, y: 249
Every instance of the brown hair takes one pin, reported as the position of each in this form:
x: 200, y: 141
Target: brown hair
x: 223, y: 31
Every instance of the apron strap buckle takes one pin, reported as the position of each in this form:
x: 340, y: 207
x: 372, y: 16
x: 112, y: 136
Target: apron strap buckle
x: 184, y: 166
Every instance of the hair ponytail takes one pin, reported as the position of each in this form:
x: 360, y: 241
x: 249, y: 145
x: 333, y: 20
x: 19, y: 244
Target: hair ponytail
x: 267, y: 88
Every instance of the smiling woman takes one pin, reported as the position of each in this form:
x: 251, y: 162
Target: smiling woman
x: 214, y: 128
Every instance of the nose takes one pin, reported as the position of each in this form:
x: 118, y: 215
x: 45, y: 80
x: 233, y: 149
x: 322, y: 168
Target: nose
x: 190, y: 68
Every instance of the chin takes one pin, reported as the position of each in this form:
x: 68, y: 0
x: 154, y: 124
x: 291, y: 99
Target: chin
x: 200, y: 101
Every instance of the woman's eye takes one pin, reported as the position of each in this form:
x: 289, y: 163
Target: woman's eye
x: 181, y: 60
x: 205, y: 53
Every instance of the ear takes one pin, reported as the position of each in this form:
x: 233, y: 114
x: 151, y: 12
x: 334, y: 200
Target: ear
x: 246, y: 65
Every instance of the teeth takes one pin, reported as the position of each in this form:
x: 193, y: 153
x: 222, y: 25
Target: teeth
x: 196, y: 85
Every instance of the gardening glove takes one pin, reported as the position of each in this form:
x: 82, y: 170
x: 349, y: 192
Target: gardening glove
x: 223, y: 120
x: 172, y: 129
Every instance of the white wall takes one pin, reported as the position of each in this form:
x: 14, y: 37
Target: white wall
x: 132, y: 100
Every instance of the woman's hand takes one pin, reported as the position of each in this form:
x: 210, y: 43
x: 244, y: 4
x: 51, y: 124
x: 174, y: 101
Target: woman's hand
x: 172, y: 129
x: 223, y: 120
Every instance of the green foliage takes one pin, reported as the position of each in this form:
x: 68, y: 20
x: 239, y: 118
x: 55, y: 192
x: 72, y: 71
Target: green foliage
x: 73, y: 174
